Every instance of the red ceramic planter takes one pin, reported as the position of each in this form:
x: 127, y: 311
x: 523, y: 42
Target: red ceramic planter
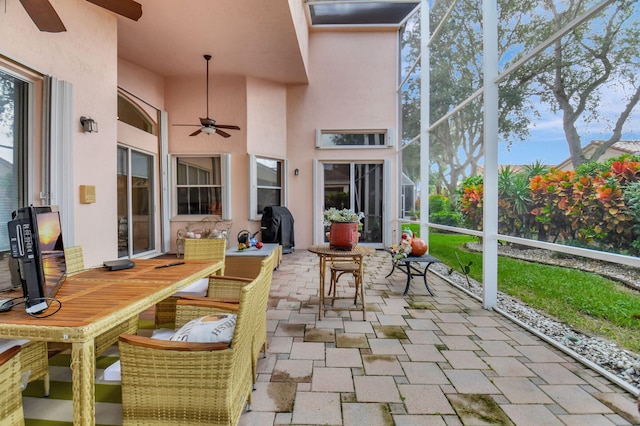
x: 343, y: 235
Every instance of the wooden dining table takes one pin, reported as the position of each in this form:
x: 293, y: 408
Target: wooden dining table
x: 93, y: 301
x: 326, y: 254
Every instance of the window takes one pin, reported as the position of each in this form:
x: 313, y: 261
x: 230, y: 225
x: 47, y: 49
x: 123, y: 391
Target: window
x: 136, y: 214
x: 14, y: 156
x: 350, y: 13
x: 267, y: 177
x: 13, y: 100
x: 199, y: 185
x: 131, y: 114
x: 351, y: 139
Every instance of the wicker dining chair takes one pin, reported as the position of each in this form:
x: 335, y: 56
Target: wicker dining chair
x: 34, y: 358
x: 226, y: 291
x: 338, y: 270
x: 194, y: 249
x: 341, y: 267
x: 205, y: 249
x: 74, y: 260
x: 167, y: 382
x: 11, y: 412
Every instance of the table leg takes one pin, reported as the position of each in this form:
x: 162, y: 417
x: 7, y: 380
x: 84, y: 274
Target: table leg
x: 362, y: 295
x: 424, y: 276
x: 321, y: 295
x: 393, y: 267
x: 83, y: 382
x: 408, y: 265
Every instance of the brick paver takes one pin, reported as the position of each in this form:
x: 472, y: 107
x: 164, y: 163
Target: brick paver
x: 416, y: 360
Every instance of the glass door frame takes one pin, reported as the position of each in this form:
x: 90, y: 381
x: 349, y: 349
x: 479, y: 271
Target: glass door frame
x: 319, y: 197
x: 152, y: 221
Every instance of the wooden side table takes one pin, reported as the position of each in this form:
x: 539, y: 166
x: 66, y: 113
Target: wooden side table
x: 356, y: 254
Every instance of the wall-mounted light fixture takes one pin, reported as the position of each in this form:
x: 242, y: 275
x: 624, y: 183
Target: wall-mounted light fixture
x: 296, y: 172
x: 89, y: 124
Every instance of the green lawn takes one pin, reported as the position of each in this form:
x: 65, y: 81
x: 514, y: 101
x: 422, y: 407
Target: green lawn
x: 588, y: 302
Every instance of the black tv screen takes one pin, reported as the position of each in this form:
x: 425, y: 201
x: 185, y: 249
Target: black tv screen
x: 35, y: 239
x: 51, y: 250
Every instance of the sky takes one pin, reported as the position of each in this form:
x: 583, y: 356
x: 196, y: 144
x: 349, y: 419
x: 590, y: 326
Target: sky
x: 547, y: 141
x: 549, y: 146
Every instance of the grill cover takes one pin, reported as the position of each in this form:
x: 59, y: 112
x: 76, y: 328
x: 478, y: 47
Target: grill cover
x: 277, y: 227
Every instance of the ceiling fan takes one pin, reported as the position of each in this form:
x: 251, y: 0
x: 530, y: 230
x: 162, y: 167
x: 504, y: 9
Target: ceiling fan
x: 208, y: 125
x: 46, y: 18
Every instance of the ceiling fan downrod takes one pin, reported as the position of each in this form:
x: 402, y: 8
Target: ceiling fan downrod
x: 207, y: 58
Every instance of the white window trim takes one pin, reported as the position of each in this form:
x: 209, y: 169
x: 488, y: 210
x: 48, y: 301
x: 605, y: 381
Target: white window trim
x: 225, y: 163
x: 61, y: 155
x: 253, y: 184
x: 389, y: 133
x: 153, y: 212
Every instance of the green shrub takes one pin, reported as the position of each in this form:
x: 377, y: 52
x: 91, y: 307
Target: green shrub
x: 438, y: 203
x: 446, y: 218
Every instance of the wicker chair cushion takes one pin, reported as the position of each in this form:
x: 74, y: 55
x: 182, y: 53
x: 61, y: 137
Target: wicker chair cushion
x: 210, y: 328
x: 5, y: 345
x: 196, y: 288
x: 202, y: 329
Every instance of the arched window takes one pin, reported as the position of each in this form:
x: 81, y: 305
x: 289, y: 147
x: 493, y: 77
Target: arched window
x: 130, y: 113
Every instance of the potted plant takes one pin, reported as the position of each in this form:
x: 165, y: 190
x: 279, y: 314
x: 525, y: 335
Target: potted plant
x: 343, y: 226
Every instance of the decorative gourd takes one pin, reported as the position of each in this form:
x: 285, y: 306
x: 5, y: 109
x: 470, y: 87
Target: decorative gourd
x: 418, y: 246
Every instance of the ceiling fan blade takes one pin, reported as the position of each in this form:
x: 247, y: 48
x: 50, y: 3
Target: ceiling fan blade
x: 127, y: 8
x: 227, y: 126
x: 43, y: 15
x: 223, y: 134
x: 197, y: 132
x: 190, y: 125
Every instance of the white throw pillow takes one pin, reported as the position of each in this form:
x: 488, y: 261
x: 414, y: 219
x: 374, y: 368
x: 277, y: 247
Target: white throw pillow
x: 196, y: 288
x: 112, y: 373
x: 212, y: 328
x: 163, y: 333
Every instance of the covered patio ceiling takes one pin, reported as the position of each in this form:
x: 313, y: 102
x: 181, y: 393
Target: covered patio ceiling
x: 253, y: 37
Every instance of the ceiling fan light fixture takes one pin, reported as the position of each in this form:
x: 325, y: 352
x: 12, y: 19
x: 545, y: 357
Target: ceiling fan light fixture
x: 208, y: 125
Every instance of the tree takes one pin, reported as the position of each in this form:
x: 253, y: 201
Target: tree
x: 7, y: 93
x: 456, y: 61
x: 410, y: 97
x: 572, y: 76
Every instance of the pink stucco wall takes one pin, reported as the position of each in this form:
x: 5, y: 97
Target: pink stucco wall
x: 86, y: 56
x: 352, y: 82
x: 352, y: 86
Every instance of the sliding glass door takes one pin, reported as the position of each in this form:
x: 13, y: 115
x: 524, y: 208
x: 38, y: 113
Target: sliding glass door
x: 136, y: 220
x: 357, y: 186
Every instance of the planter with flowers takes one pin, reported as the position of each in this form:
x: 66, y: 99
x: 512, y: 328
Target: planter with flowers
x: 343, y: 228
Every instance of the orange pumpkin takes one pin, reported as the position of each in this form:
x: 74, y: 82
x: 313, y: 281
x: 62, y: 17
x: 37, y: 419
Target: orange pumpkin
x: 418, y: 246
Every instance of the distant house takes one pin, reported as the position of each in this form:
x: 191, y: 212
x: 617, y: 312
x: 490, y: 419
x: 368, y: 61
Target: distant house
x: 615, y: 150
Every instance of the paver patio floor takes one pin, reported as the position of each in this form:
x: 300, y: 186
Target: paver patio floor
x: 416, y: 360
